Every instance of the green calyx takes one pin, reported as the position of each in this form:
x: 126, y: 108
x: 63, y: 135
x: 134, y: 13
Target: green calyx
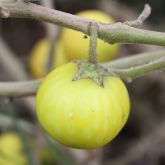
x: 95, y: 72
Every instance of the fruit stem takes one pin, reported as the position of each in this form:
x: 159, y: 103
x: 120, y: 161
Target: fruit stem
x: 93, y: 30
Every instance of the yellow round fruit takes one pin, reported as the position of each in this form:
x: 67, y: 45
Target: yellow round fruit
x: 11, y: 150
x: 81, y: 114
x: 77, y: 47
x: 39, y: 57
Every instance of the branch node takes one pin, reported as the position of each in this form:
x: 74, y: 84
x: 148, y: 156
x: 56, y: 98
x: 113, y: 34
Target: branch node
x: 142, y: 17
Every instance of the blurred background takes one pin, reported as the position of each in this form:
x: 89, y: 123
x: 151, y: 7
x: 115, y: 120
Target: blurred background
x: 142, y: 140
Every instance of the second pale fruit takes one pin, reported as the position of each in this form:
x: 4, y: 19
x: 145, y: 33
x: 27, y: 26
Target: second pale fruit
x: 76, y: 46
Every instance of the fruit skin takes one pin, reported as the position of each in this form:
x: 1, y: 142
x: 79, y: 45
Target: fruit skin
x: 76, y: 46
x: 11, y: 150
x: 81, y: 114
x: 39, y: 57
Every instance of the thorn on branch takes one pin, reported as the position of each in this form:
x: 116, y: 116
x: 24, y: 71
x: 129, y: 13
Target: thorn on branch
x: 142, y: 17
